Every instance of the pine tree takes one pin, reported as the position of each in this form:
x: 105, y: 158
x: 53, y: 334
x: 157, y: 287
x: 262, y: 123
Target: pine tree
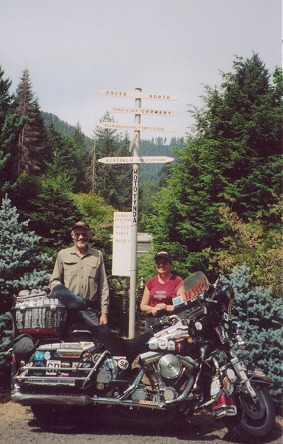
x: 22, y: 265
x: 80, y: 156
x: 113, y: 182
x: 67, y: 156
x: 91, y: 175
x: 54, y: 213
x: 234, y: 156
x: 32, y: 136
x: 262, y: 320
x: 10, y: 126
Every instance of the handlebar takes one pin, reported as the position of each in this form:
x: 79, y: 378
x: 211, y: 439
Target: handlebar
x: 164, y: 321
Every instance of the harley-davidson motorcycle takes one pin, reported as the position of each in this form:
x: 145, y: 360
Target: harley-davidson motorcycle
x: 187, y: 364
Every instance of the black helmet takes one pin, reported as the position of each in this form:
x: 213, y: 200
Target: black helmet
x: 223, y: 294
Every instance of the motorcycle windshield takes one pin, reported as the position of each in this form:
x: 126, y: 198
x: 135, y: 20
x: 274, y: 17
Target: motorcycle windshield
x: 195, y: 284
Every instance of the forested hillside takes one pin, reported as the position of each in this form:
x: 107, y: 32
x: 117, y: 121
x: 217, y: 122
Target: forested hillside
x: 155, y: 147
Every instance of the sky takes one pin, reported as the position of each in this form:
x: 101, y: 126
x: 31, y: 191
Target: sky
x: 75, y: 48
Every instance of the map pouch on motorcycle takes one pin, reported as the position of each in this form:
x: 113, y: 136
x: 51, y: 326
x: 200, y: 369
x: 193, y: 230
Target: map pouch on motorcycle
x: 23, y: 347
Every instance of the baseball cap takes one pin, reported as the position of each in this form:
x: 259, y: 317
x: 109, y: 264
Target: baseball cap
x: 163, y: 254
x: 80, y: 224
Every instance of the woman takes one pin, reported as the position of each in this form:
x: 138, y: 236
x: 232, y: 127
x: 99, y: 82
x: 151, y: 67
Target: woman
x: 160, y: 289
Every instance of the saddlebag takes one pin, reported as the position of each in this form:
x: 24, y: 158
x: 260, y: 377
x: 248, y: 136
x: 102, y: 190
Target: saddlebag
x: 23, y: 347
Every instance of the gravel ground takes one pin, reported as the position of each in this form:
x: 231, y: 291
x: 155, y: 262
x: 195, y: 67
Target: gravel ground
x: 18, y: 426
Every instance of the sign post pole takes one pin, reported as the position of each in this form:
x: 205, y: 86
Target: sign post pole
x: 134, y: 227
x: 136, y: 160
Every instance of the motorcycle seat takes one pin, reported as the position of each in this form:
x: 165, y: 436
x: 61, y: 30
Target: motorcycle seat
x: 111, y: 341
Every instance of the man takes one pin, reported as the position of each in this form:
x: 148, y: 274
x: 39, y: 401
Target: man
x: 81, y: 270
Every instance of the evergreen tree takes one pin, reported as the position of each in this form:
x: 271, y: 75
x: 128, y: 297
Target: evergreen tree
x: 234, y: 156
x: 261, y: 318
x: 53, y: 215
x: 67, y: 156
x: 81, y: 154
x: 99, y: 216
x: 113, y: 182
x: 22, y: 265
x: 10, y: 126
x: 32, y: 136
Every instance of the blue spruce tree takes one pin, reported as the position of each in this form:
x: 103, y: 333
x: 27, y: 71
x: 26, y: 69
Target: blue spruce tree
x: 261, y: 318
x: 22, y: 266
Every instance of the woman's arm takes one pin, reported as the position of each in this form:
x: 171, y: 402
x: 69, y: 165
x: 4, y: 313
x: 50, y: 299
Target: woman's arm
x: 146, y: 308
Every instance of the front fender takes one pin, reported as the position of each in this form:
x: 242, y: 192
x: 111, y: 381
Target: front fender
x: 256, y: 375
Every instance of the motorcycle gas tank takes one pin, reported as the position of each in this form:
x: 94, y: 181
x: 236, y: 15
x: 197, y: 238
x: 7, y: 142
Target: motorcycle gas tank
x: 172, y: 339
x: 162, y: 344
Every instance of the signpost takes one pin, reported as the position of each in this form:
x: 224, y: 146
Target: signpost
x: 136, y: 160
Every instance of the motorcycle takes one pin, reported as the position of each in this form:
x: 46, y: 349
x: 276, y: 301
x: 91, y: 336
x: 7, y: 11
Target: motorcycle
x: 188, y: 363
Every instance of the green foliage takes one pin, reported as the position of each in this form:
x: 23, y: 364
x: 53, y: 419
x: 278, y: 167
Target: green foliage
x: 99, y: 215
x: 21, y: 263
x: 235, y: 155
x: 251, y: 243
x: 59, y: 125
x: 31, y: 142
x: 67, y: 158
x: 157, y: 147
x: 10, y: 126
x: 53, y: 215
x: 5, y: 331
x: 262, y: 320
x: 5, y: 344
x: 112, y: 182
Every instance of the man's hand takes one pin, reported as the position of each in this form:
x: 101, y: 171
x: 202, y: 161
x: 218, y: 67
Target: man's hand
x: 103, y: 319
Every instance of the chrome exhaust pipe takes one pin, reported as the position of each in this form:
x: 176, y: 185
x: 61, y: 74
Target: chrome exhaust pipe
x: 28, y: 399
x: 82, y: 401
x: 32, y: 398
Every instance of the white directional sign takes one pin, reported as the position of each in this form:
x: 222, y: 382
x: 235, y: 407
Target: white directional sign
x: 135, y: 127
x: 147, y: 159
x: 144, y: 111
x: 137, y: 95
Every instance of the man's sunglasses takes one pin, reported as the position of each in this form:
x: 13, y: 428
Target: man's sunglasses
x: 81, y: 234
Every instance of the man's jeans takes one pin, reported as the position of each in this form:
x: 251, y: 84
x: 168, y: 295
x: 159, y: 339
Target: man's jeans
x: 76, y: 306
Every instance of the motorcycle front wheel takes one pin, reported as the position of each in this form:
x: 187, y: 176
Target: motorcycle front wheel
x: 61, y: 418
x: 254, y: 419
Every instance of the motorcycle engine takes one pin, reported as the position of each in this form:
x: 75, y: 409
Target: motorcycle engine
x: 170, y: 366
x: 167, y: 373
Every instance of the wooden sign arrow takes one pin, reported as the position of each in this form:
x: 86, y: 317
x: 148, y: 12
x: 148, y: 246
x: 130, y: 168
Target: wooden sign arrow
x: 135, y: 127
x: 143, y: 159
x: 137, y: 95
x: 143, y: 111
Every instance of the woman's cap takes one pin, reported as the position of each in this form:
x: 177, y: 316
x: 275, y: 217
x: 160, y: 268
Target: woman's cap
x: 163, y: 254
